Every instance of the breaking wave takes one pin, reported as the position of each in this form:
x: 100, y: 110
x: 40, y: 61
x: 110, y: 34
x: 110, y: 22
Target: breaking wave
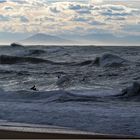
x: 47, y: 96
x: 131, y: 92
x: 109, y: 60
x: 105, y: 60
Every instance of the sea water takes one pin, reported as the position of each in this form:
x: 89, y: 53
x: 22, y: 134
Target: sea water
x: 77, y: 87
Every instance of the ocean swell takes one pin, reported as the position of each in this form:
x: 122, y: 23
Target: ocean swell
x: 6, y: 59
x: 33, y: 52
x: 105, y: 60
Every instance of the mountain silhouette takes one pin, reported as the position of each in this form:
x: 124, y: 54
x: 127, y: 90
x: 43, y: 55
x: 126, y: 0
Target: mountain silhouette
x: 41, y: 38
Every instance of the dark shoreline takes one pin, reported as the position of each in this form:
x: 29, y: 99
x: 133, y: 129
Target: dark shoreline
x: 8, y: 133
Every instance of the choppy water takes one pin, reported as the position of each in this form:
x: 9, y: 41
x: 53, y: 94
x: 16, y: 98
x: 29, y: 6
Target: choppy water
x: 77, y: 87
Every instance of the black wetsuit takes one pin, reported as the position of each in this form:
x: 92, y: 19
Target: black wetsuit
x: 33, y: 88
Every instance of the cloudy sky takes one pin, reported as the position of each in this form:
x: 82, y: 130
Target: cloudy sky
x: 21, y: 18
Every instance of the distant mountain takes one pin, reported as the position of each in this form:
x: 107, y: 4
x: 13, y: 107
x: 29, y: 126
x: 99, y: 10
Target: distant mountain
x: 90, y: 39
x: 107, y: 38
x: 45, y: 39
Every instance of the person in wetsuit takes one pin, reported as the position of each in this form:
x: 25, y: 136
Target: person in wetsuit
x: 33, y: 88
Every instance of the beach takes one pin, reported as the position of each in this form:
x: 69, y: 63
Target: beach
x: 34, y: 132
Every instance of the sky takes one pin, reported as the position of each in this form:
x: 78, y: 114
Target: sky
x: 22, y: 18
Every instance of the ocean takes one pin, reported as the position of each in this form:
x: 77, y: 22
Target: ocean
x: 88, y: 88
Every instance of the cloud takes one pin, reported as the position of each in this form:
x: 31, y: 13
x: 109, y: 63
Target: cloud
x: 96, y: 1
x: 63, y: 17
x: 7, y: 8
x: 116, y: 10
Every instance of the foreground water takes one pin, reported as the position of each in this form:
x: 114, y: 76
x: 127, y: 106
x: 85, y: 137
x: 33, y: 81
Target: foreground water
x: 77, y: 87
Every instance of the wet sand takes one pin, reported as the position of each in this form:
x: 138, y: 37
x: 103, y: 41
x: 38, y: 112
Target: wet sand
x: 51, y: 133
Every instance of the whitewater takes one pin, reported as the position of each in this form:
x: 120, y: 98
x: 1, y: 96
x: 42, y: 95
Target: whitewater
x: 88, y: 88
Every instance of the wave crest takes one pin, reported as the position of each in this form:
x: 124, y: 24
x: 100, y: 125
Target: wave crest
x: 109, y: 60
x: 131, y: 92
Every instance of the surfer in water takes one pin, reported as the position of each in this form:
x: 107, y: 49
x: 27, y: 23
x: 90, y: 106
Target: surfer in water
x: 33, y: 88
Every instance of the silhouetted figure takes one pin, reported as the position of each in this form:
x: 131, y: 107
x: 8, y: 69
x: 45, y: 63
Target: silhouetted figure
x: 58, y: 76
x: 33, y: 88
